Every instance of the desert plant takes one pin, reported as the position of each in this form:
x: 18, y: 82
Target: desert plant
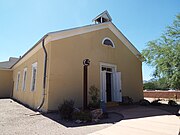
x: 172, y: 103
x: 82, y: 116
x: 94, y: 95
x: 94, y: 105
x: 127, y: 100
x: 66, y: 109
x: 156, y: 102
x: 144, y: 102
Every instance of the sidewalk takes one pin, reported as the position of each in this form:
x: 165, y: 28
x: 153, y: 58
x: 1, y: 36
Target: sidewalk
x: 143, y: 121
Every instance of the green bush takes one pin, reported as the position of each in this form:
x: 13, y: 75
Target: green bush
x: 94, y: 105
x: 172, y: 103
x: 156, y: 84
x: 156, y: 102
x: 95, y: 98
x: 144, y: 102
x: 82, y: 115
x: 66, y: 109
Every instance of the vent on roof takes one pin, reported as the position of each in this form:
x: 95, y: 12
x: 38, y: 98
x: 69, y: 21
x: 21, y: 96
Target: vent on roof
x: 103, y: 17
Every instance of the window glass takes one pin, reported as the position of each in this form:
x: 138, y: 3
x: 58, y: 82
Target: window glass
x: 103, y: 68
x: 109, y: 69
x: 24, y: 79
x: 108, y: 42
x: 18, y: 79
x: 34, y: 74
x: 106, y: 69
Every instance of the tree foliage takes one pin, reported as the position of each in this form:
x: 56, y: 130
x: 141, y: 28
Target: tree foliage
x: 164, y: 55
x: 156, y: 84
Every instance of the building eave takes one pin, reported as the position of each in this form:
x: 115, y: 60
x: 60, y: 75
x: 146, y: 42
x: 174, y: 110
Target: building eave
x: 57, y: 35
x: 6, y: 69
x: 29, y: 50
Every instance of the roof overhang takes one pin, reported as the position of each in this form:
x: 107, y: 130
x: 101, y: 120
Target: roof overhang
x: 77, y: 31
x: 57, y: 35
x: 5, y: 69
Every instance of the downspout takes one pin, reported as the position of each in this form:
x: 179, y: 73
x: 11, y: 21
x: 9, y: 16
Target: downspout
x: 44, y: 76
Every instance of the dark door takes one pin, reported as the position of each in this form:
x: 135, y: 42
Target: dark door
x: 108, y: 86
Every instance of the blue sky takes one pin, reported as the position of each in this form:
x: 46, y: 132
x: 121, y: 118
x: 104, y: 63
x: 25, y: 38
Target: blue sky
x: 23, y: 23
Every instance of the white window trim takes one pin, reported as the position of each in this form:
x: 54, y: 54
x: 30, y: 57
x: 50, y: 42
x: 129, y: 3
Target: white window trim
x: 18, y: 80
x: 108, y: 39
x: 24, y: 79
x: 34, y: 65
x: 103, y: 64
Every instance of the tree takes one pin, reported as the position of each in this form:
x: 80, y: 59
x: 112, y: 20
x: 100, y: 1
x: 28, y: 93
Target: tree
x: 164, y: 55
x: 149, y: 86
x: 155, y: 84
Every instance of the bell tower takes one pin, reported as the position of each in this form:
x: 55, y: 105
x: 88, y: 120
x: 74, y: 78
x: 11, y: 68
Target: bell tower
x: 102, y: 18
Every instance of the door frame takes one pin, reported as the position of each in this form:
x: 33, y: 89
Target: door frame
x: 114, y: 69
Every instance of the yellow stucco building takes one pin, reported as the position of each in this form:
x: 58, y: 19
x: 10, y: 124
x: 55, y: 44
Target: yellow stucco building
x: 52, y: 70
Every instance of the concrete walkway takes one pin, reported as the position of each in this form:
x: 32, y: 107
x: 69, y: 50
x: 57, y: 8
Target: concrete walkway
x: 143, y: 121
x: 16, y: 119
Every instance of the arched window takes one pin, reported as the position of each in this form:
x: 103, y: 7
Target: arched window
x: 108, y: 42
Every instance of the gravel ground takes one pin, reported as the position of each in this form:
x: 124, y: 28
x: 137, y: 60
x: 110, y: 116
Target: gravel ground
x: 17, y: 119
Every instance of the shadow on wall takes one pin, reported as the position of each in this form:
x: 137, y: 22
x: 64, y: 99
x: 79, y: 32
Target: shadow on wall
x: 6, y: 83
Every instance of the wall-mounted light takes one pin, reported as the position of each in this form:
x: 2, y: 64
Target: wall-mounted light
x: 86, y: 62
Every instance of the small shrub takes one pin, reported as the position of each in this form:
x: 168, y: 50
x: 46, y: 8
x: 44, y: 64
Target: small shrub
x: 156, y: 102
x: 144, y: 102
x: 97, y: 113
x: 82, y: 116
x: 66, y: 109
x: 104, y: 116
x: 127, y: 100
x: 94, y: 95
x: 94, y: 105
x: 172, y: 103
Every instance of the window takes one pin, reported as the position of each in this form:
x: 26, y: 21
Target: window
x: 17, y: 81
x: 106, y: 69
x: 33, y: 76
x: 24, y: 79
x: 108, y: 42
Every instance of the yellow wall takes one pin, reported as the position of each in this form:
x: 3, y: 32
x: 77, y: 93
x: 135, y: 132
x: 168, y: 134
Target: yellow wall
x: 31, y: 98
x: 6, y: 83
x: 66, y: 68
